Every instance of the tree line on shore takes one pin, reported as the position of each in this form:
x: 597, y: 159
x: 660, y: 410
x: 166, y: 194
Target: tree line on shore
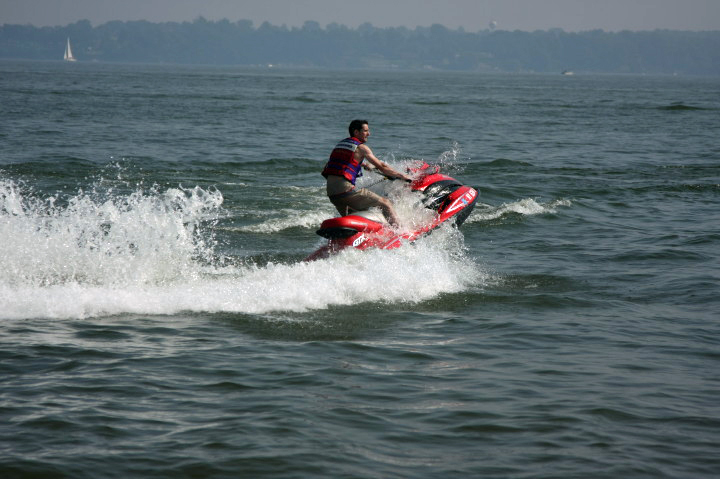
x: 368, y: 47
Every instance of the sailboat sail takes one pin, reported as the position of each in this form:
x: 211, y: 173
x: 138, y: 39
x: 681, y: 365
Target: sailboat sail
x: 68, y: 52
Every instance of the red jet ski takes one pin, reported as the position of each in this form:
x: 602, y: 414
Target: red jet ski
x: 450, y: 199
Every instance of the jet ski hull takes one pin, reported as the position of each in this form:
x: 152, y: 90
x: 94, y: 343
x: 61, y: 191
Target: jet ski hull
x: 450, y: 199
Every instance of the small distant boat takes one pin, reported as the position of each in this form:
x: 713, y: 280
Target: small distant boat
x: 68, y: 53
x: 568, y: 72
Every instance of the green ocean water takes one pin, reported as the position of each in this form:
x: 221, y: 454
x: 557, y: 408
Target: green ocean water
x: 157, y: 319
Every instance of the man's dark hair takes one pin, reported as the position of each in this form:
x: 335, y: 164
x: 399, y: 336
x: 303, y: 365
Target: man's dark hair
x: 356, y: 125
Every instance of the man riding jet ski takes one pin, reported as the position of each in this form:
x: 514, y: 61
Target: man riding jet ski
x: 357, y: 228
x: 343, y: 168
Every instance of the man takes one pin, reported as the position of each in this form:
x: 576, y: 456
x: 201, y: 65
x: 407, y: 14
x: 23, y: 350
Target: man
x: 343, y: 168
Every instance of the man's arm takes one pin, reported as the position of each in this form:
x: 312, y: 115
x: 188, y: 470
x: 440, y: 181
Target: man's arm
x: 384, y: 168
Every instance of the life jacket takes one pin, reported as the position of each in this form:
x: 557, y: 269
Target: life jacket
x: 342, y: 160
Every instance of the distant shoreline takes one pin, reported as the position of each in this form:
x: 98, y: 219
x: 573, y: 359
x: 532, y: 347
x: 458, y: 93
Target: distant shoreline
x: 203, y: 42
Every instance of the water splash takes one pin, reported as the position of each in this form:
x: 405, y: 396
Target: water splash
x: 153, y: 252
x: 287, y: 219
x: 100, y: 239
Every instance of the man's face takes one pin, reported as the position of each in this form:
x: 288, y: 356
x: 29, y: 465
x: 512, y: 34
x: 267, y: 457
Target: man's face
x: 363, y: 133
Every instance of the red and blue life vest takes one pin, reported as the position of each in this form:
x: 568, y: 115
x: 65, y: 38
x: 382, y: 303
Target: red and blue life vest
x: 342, y: 160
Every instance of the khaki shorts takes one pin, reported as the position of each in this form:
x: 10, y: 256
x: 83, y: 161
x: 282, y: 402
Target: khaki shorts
x: 348, y: 200
x: 358, y: 200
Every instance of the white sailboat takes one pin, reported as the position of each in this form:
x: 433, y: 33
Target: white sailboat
x: 68, y: 53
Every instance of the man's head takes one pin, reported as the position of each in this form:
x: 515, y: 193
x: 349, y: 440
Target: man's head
x: 359, y: 129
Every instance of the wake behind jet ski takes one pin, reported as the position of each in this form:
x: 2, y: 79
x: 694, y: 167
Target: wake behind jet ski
x: 446, y: 196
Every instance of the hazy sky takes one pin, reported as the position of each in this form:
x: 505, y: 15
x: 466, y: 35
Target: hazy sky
x: 473, y: 15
